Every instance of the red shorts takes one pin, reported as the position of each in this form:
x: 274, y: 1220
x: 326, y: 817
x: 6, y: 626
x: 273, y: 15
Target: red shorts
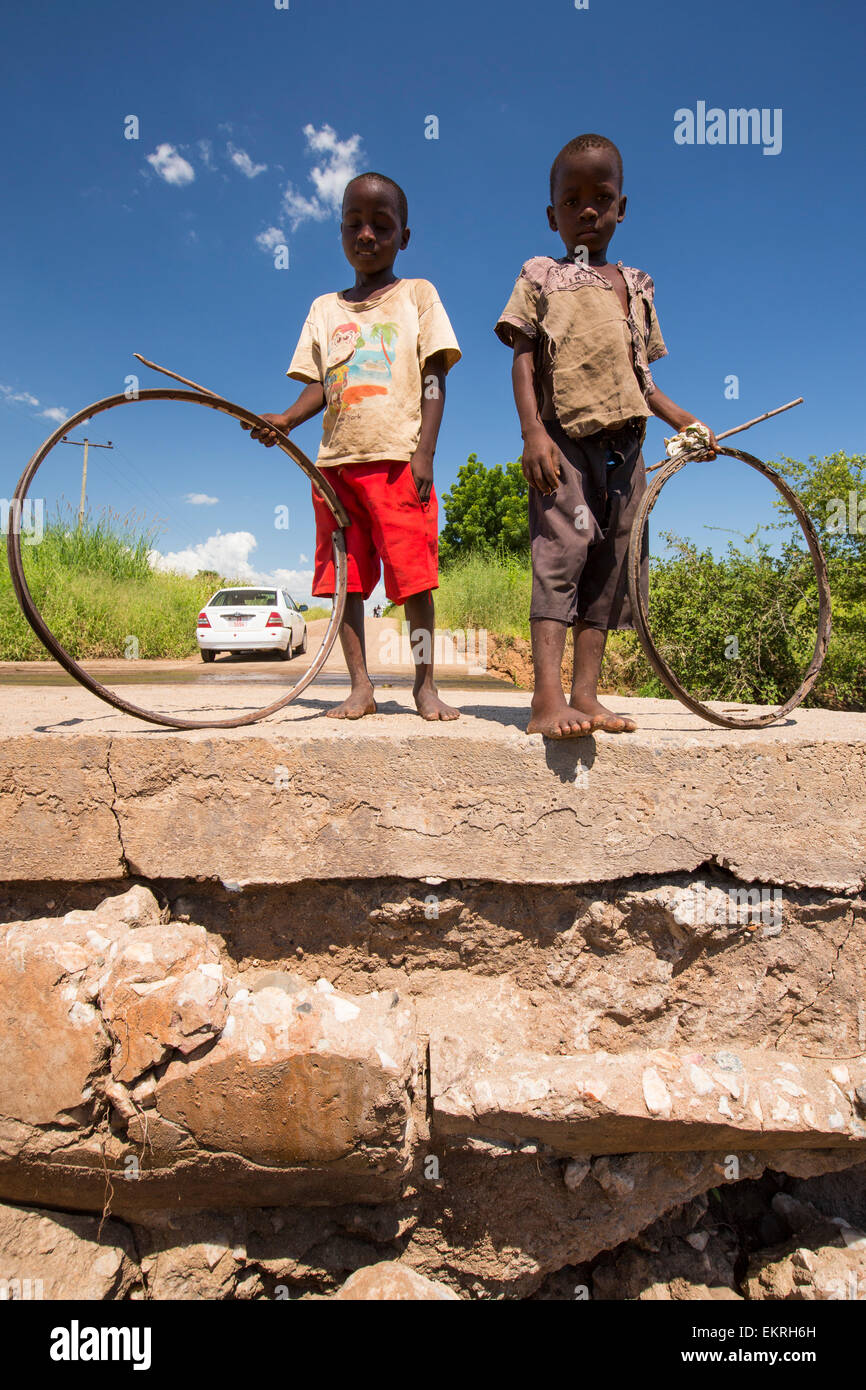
x: 389, y: 522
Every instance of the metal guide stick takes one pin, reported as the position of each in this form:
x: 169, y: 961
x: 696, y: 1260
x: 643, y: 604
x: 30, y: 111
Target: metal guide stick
x: 738, y: 429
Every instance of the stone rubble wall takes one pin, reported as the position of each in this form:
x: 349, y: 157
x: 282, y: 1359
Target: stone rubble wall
x: 484, y: 1096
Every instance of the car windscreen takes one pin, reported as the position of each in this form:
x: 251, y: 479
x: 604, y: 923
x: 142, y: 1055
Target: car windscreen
x: 249, y: 598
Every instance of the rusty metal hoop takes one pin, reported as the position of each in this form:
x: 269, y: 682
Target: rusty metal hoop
x: 638, y: 608
x: 46, y: 636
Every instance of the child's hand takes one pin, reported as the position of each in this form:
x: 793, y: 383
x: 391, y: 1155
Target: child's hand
x: 422, y: 471
x: 267, y: 437
x: 540, y: 462
x: 692, y: 433
x: 714, y: 444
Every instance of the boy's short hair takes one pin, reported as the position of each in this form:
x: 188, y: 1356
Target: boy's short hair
x: 575, y: 146
x: 402, y: 203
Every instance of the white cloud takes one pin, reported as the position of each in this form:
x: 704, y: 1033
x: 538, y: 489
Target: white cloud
x: 301, y: 209
x: 171, y: 166
x: 298, y: 582
x: 200, y: 499
x: 241, y: 160
x: 329, y: 178
x: 226, y: 553
x: 303, y: 559
x: 13, y: 397
x: 205, y: 149
x: 229, y: 554
x: 270, y: 239
x: 10, y: 394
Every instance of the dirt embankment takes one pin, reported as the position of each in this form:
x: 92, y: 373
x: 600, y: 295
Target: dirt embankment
x: 623, y: 672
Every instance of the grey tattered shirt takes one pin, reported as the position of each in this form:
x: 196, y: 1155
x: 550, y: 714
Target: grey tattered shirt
x: 582, y: 339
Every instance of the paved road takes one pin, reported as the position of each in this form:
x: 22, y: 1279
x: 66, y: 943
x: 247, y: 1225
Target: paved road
x: 389, y: 658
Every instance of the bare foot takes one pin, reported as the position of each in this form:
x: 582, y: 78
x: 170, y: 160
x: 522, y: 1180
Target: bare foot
x: 429, y: 705
x: 358, y: 703
x: 601, y: 717
x: 555, y: 719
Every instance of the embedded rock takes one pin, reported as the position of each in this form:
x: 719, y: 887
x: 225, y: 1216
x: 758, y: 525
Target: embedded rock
x: 823, y: 1261
x: 299, y: 1074
x: 165, y: 991
x: 393, y: 1282
x: 53, y: 1040
x: 54, y: 1255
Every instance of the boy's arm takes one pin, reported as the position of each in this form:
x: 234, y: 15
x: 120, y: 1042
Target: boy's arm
x: 672, y: 414
x: 540, y: 461
x: 432, y: 406
x: 308, y: 404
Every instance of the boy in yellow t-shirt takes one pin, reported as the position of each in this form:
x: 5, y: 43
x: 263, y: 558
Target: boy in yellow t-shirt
x: 376, y: 357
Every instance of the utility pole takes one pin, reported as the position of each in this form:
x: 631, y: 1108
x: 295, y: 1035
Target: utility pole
x: 85, y: 444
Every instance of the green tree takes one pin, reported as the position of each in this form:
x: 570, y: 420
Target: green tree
x: 833, y: 491
x: 485, y: 511
x: 768, y: 598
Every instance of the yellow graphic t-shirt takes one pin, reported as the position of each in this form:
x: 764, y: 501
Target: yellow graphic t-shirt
x: 369, y: 357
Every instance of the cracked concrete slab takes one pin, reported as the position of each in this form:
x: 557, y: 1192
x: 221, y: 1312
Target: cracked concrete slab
x: 301, y: 797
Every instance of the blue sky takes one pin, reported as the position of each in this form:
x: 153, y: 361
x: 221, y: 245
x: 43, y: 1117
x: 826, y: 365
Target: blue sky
x: 114, y: 245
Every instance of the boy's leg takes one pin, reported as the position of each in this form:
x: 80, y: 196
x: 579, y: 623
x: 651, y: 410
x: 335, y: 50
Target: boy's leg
x: 604, y: 602
x: 363, y: 572
x: 589, y: 644
x: 551, y: 713
x: 560, y: 529
x: 421, y: 617
x: 360, y: 700
x: 405, y: 532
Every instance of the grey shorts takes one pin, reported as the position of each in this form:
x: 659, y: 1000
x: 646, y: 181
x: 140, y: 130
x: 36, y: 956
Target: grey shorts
x: 580, y: 534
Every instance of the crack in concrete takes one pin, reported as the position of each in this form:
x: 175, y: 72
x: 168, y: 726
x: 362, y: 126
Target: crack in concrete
x: 823, y: 990
x: 127, y: 870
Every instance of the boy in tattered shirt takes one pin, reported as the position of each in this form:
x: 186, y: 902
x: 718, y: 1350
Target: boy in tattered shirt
x: 584, y: 333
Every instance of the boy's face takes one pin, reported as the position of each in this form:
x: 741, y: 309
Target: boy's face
x: 588, y: 201
x: 371, y: 229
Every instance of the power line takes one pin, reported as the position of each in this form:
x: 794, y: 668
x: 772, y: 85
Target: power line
x: 84, y: 444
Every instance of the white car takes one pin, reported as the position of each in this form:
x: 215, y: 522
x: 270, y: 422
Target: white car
x: 251, y: 619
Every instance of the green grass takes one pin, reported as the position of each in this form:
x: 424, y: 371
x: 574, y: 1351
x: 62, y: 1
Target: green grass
x: 697, y: 602
x: 96, y: 590
x: 485, y: 592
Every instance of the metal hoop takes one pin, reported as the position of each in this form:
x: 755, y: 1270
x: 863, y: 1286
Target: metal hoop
x: 638, y: 608
x: 46, y: 636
